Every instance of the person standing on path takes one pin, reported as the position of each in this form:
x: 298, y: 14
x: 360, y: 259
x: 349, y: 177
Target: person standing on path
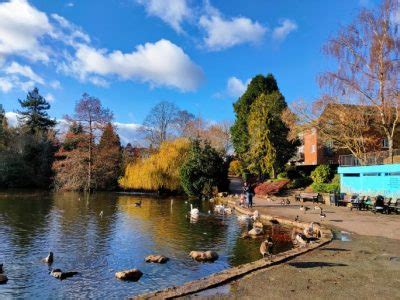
x: 248, y: 191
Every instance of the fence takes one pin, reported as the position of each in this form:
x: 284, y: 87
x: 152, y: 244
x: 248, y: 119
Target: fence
x: 370, y: 159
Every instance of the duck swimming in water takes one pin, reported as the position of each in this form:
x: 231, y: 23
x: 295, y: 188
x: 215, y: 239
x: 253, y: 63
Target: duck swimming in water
x: 48, y: 259
x: 138, y: 204
x: 266, y: 247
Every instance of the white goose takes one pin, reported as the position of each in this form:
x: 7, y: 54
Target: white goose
x: 194, y: 212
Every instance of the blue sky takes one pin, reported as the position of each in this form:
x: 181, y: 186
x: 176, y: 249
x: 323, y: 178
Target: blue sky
x: 134, y: 53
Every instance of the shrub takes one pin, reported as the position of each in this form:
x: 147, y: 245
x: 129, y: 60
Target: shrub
x: 271, y: 187
x: 334, y: 186
x: 321, y: 174
x: 282, y: 175
x: 300, y: 182
x: 203, y: 170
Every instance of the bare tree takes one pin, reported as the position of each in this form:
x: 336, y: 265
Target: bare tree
x: 159, y: 123
x: 367, y: 53
x: 93, y: 117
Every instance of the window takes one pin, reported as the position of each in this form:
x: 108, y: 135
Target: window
x: 351, y: 175
x: 385, y: 143
x: 372, y: 174
x: 392, y: 174
x: 313, y: 148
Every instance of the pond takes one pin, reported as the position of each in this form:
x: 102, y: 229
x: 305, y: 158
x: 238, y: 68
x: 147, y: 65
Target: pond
x: 98, y: 245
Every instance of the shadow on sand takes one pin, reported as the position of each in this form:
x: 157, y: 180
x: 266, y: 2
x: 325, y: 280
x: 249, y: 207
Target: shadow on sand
x: 314, y: 264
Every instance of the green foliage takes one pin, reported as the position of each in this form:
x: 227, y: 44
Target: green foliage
x: 321, y: 174
x: 299, y: 182
x: 331, y: 187
x: 282, y: 175
x: 240, y: 137
x: 269, y: 148
x: 203, y: 170
x: 34, y: 115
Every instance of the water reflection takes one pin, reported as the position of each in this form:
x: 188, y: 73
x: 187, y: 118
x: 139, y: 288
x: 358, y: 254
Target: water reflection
x: 105, y: 233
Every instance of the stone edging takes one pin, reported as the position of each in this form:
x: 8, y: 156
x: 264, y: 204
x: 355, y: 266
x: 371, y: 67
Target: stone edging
x: 239, y: 271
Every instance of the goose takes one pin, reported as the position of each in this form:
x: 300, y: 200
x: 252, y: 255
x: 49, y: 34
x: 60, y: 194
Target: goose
x: 194, y: 212
x: 266, y: 247
x: 301, y: 239
x: 138, y: 204
x: 48, y: 259
x: 304, y: 208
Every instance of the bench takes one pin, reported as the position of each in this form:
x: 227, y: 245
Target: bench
x: 314, y: 197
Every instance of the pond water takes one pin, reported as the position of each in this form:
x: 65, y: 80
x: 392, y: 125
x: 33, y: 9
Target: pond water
x: 70, y: 225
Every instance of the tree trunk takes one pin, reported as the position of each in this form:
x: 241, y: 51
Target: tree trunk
x: 390, y: 142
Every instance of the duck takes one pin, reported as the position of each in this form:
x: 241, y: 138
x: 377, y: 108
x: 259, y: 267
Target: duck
x: 138, y: 204
x: 322, y: 216
x: 316, y: 207
x: 101, y: 214
x: 49, y: 258
x: 266, y: 247
x: 194, y: 212
x: 228, y: 210
x: 296, y: 219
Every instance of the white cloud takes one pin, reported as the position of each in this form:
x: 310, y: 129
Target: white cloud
x: 21, y: 28
x: 12, y: 118
x: 235, y: 87
x: 222, y: 33
x: 55, y: 84
x: 49, y: 97
x: 25, y: 71
x: 159, y: 64
x: 172, y: 12
x: 70, y: 4
x: 5, y: 84
x: 282, y: 31
x: 69, y: 33
x: 129, y: 132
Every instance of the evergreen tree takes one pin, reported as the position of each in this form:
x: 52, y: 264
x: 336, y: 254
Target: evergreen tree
x: 35, y: 117
x: 203, y: 170
x: 269, y: 148
x: 107, y: 163
x: 240, y: 137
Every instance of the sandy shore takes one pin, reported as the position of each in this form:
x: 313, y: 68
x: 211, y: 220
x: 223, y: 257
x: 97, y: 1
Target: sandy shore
x: 363, y: 262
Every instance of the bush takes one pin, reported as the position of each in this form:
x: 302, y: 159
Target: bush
x: 300, y: 182
x: 334, y: 186
x: 271, y: 187
x: 321, y: 174
x: 282, y: 175
x: 204, y: 170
